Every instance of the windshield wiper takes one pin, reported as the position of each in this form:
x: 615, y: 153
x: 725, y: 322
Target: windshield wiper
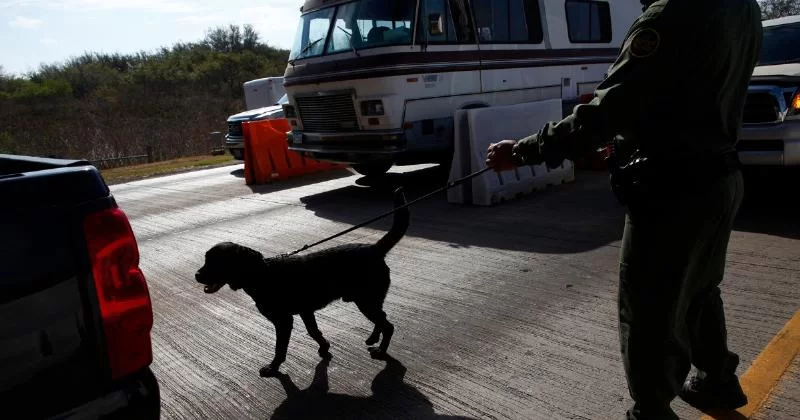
x: 349, y: 39
x: 306, y: 48
x: 310, y: 44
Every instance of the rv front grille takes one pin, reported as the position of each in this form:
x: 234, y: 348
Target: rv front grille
x: 327, y: 113
x: 760, y: 107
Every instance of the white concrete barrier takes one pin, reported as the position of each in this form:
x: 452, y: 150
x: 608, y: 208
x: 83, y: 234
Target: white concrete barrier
x: 475, y: 129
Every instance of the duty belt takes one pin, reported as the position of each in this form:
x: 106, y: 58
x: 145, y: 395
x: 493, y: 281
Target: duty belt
x: 639, y: 175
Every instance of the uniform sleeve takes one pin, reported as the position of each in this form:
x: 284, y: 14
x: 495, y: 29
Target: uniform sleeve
x: 640, y: 74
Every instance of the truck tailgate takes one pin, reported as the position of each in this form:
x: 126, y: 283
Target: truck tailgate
x: 51, y: 351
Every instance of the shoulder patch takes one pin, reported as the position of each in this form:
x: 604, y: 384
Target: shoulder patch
x: 644, y: 43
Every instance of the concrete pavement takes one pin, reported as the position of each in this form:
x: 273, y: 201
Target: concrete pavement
x: 784, y: 402
x: 502, y: 312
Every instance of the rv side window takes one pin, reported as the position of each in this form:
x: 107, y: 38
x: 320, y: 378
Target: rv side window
x: 445, y: 22
x: 505, y: 21
x: 437, y: 13
x: 526, y: 21
x: 461, y: 18
x: 588, y: 21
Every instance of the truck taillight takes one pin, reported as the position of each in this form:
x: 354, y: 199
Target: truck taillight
x: 121, y: 291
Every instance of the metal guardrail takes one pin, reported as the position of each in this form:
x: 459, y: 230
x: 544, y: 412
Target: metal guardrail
x: 148, y: 155
x: 217, y: 141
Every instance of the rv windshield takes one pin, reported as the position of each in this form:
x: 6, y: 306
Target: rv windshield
x: 354, y: 26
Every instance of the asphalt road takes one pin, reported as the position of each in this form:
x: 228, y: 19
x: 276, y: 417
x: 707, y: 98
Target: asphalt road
x: 501, y: 312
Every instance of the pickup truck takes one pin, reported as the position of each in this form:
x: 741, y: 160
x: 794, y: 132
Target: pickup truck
x: 75, y: 309
x: 770, y: 135
x: 234, y: 140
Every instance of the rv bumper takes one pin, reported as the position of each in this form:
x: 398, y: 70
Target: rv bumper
x: 352, y: 148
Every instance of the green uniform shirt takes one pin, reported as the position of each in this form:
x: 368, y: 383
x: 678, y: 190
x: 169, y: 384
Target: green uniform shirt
x: 677, y: 88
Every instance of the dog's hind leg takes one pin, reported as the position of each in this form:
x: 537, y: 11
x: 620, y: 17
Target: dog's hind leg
x: 316, y: 334
x: 375, y: 313
x: 283, y: 331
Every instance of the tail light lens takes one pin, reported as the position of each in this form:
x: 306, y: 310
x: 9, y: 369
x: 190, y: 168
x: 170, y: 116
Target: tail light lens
x: 121, y: 291
x: 586, y: 98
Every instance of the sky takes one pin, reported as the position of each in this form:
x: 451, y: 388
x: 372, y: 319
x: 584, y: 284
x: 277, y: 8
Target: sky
x: 33, y: 32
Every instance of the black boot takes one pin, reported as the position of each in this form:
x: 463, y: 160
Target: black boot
x: 705, y: 393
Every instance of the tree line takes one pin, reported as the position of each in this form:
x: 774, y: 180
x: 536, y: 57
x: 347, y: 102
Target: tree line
x: 771, y: 9
x: 100, y: 106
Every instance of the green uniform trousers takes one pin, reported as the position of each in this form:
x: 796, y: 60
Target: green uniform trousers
x: 670, y: 310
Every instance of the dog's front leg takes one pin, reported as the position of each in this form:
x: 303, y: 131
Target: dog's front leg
x: 316, y: 334
x: 283, y: 331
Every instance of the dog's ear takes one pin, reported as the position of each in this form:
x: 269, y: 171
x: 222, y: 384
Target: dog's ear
x: 247, y: 264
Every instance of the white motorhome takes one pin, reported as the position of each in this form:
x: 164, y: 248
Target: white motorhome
x: 373, y: 83
x: 260, y: 93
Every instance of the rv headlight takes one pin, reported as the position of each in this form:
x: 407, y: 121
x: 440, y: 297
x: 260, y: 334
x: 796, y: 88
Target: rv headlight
x: 372, y: 108
x: 288, y: 111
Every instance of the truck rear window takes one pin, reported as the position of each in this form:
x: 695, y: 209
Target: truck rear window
x: 781, y: 45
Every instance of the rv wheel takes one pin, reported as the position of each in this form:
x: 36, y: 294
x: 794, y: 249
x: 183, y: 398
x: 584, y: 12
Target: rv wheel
x: 372, y: 170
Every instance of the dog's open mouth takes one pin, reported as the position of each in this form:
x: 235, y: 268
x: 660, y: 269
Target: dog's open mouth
x: 213, y: 288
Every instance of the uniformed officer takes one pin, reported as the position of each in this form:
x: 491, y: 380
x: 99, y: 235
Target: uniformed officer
x: 671, y: 105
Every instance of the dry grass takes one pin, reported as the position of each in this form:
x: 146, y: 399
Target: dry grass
x: 149, y: 170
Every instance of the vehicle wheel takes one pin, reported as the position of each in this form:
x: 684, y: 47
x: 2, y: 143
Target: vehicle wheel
x: 372, y: 170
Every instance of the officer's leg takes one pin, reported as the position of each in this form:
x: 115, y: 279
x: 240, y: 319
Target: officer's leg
x: 716, y: 385
x: 657, y: 250
x: 709, y: 341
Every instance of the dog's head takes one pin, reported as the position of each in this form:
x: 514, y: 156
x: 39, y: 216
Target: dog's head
x: 227, y: 263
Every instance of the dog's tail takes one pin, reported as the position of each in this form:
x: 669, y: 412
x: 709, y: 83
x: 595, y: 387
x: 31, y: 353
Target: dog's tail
x: 399, y: 226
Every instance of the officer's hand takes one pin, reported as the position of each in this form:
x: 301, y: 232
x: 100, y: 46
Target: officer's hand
x: 498, y: 156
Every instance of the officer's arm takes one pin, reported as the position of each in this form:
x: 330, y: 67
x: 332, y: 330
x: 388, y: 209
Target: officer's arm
x: 635, y: 81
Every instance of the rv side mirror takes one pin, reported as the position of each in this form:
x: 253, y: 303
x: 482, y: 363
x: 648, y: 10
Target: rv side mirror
x: 435, y: 24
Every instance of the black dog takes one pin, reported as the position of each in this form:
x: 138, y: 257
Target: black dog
x: 286, y: 286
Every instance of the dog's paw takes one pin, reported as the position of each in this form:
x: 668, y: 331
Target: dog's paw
x: 377, y: 354
x: 373, y: 339
x: 324, y: 351
x: 268, y: 371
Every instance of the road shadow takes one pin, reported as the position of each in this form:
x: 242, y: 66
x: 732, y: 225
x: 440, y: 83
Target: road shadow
x: 391, y: 398
x: 569, y: 218
x: 771, y: 203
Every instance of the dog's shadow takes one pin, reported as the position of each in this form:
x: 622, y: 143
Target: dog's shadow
x: 391, y: 398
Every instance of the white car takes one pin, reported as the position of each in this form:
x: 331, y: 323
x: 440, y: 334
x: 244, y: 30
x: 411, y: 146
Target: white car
x: 770, y: 133
x: 234, y: 140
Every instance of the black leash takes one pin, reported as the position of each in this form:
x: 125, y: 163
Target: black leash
x: 360, y: 225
